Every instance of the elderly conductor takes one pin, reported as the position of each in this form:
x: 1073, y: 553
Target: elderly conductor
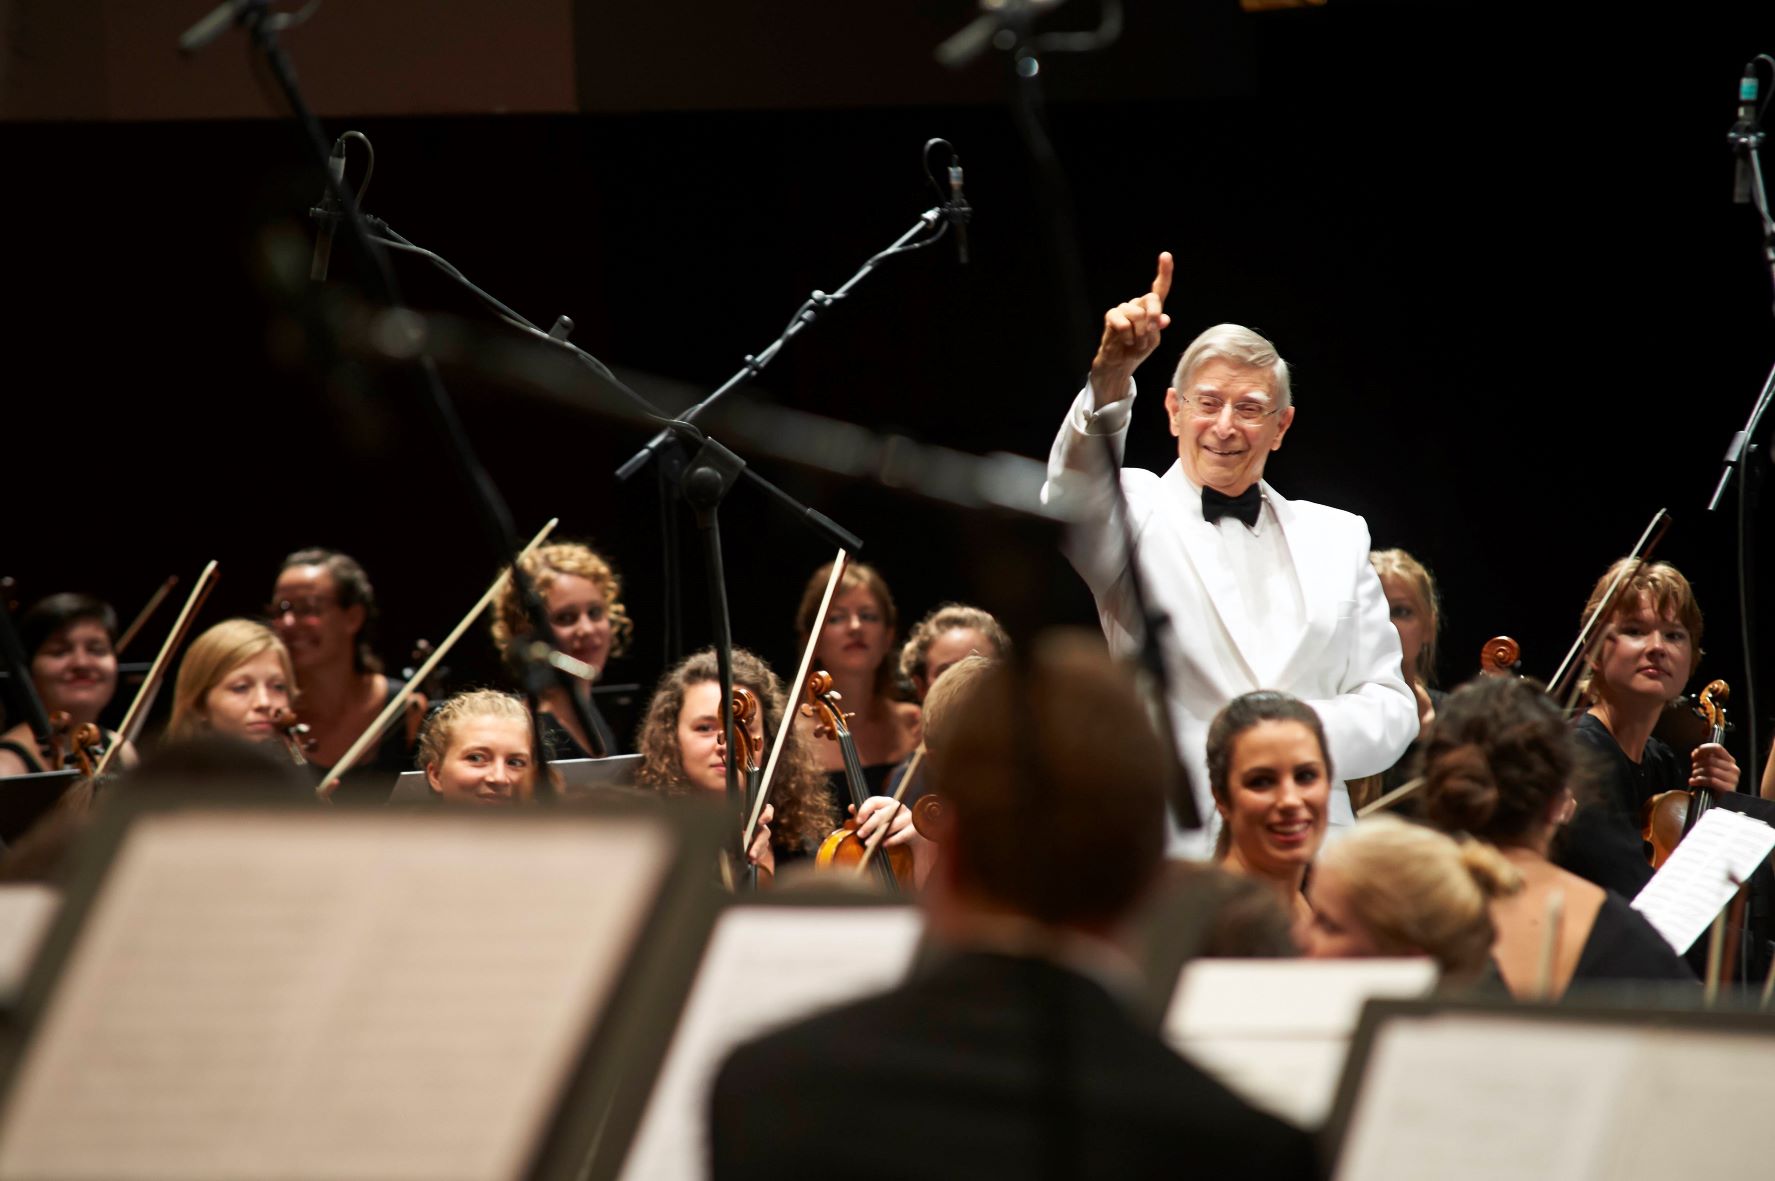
x: 1262, y: 592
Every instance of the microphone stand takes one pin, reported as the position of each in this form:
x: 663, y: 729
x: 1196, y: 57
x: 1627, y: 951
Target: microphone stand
x: 674, y: 471
x: 1008, y: 27
x: 262, y: 27
x: 1745, y: 139
x: 931, y: 225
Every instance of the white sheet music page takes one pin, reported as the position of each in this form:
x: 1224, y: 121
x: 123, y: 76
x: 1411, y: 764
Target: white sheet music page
x: 1701, y: 875
x: 765, y: 967
x: 26, y: 911
x: 1463, y: 1097
x: 259, y: 995
x: 1276, y: 1031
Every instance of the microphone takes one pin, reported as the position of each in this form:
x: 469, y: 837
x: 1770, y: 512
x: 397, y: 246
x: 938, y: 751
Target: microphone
x: 327, y: 213
x: 957, y: 209
x: 1745, y: 137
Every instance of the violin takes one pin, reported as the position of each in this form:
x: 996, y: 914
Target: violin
x: 86, y: 742
x: 843, y: 848
x: 747, y: 750
x: 1670, y: 815
x: 293, y: 732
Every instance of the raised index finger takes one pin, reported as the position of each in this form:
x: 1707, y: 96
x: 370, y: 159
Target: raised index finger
x: 1162, y: 281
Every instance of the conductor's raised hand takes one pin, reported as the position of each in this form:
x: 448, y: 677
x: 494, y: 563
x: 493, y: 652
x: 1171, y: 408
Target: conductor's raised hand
x: 1131, y: 332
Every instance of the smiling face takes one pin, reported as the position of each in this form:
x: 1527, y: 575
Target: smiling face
x: 488, y: 763
x: 855, y: 637
x: 700, y: 741
x: 1225, y: 452
x: 1277, y: 792
x: 76, y: 670
x: 246, y: 700
x: 580, y: 618
x: 1411, y: 619
x: 307, y: 617
x: 1645, y: 657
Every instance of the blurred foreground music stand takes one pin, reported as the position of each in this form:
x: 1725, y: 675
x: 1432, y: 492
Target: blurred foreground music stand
x: 1470, y: 1089
x: 26, y: 799
x: 772, y: 959
x: 325, y: 994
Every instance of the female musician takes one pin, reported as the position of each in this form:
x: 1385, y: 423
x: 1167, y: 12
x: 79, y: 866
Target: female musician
x: 1649, y: 650
x: 1416, y: 612
x: 854, y: 644
x: 233, y: 680
x: 583, y: 598
x: 324, y: 610
x: 683, y: 752
x: 1391, y: 888
x: 478, y: 748
x: 1271, y: 779
x: 951, y: 633
x: 68, y: 639
x: 1498, y: 762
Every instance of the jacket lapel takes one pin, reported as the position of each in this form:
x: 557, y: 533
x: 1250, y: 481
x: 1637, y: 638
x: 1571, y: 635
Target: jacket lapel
x: 1207, y: 556
x: 1315, y: 560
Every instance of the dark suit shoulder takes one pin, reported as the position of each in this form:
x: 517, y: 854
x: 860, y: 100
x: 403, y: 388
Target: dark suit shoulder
x: 991, y: 1066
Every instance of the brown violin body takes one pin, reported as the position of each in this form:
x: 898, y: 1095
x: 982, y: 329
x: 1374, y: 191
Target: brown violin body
x: 843, y: 849
x: 1670, y: 815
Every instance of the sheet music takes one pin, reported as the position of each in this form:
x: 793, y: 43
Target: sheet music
x: 26, y: 911
x: 1277, y: 1031
x: 1477, y: 1097
x: 354, y: 997
x: 765, y: 967
x: 1701, y: 875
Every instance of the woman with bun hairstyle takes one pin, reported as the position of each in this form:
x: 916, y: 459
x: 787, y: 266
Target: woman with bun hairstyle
x: 1498, y: 765
x: 1391, y: 888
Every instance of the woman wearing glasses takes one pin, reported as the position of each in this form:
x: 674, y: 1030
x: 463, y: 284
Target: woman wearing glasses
x: 323, y: 608
x: 856, y: 645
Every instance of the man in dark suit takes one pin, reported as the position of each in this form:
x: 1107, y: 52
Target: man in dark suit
x: 1016, y: 1054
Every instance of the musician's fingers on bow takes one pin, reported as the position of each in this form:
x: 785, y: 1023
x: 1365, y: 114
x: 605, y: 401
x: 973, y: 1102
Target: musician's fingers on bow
x: 1712, y: 765
x: 761, y: 838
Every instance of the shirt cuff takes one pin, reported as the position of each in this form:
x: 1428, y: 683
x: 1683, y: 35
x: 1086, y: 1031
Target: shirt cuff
x: 1108, y: 420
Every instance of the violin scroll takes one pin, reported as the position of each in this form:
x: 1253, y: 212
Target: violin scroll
x: 1712, y: 705
x: 294, y: 732
x: 830, y: 721
x: 747, y: 746
x: 1499, y: 656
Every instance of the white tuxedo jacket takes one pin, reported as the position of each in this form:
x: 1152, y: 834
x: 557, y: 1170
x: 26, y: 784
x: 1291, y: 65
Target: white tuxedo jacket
x: 1344, y: 662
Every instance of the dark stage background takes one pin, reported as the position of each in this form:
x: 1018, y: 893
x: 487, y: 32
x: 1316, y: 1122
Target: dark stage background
x: 1496, y: 241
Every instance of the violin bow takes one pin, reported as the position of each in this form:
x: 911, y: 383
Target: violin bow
x: 1642, y: 551
x: 874, y: 842
x: 1555, y: 919
x: 398, y: 702
x: 1410, y: 787
x: 146, y: 613
x: 800, y: 683
x: 138, y: 709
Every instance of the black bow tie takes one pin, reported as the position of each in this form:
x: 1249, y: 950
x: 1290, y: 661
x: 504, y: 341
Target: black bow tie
x: 1243, y: 507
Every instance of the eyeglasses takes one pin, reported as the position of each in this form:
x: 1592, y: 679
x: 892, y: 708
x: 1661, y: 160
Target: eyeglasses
x: 308, y: 607
x: 1208, y: 406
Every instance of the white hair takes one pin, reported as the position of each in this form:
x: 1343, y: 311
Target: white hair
x: 1240, y: 345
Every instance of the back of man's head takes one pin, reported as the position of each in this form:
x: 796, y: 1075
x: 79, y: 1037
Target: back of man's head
x: 1053, y: 784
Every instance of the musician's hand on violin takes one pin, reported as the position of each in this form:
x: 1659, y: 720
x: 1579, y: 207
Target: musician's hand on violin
x: 1426, y: 708
x: 1712, y: 765
x: 761, y: 854
x: 1130, y: 334
x: 876, y: 812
